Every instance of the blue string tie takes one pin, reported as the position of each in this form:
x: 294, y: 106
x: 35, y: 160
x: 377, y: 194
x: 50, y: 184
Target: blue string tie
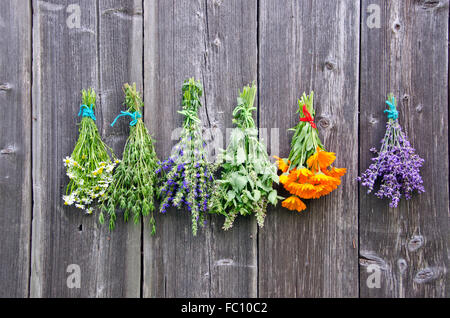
x: 392, y: 111
x: 87, y: 111
x: 135, y: 116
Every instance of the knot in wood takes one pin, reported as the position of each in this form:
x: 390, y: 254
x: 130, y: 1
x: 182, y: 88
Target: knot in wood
x: 372, y: 120
x: 415, y: 243
x: 402, y: 265
x: 419, y: 108
x: 217, y: 42
x: 428, y: 4
x: 324, y: 122
x: 5, y: 87
x: 396, y: 26
x: 330, y: 65
x: 424, y: 276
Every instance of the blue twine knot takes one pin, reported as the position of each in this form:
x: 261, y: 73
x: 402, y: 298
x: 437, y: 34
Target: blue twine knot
x: 392, y: 111
x: 87, y: 111
x: 134, y: 115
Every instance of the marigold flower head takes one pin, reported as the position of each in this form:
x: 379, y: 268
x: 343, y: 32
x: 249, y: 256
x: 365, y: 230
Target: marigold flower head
x: 294, y: 203
x: 321, y: 159
x: 284, y: 178
x: 283, y: 164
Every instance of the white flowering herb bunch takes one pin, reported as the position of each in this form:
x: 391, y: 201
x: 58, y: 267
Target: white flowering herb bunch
x: 90, y: 167
x: 133, y: 189
x: 247, y: 176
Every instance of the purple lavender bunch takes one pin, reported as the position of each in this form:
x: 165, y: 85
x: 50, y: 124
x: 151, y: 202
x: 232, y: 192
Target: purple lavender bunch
x: 396, y: 165
x: 187, y: 176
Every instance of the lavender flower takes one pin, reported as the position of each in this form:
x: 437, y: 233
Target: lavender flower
x: 186, y: 177
x: 396, y: 165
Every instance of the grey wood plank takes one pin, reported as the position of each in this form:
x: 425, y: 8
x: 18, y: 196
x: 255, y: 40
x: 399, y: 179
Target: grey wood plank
x: 65, y: 61
x: 408, y: 56
x: 304, y: 46
x: 185, y: 39
x: 120, y: 61
x: 15, y: 147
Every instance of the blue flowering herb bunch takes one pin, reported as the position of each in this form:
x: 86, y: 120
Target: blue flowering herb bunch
x: 89, y: 167
x: 134, y: 181
x: 245, y: 185
x: 396, y: 165
x: 187, y: 176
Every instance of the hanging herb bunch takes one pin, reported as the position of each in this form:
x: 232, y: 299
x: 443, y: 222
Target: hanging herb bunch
x: 187, y: 175
x: 89, y: 168
x: 133, y: 189
x: 308, y: 172
x: 396, y: 164
x: 246, y: 180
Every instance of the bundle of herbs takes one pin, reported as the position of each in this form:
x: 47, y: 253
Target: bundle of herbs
x: 245, y: 186
x: 308, y: 172
x: 187, y: 176
x: 89, y: 168
x: 133, y: 188
x: 396, y: 165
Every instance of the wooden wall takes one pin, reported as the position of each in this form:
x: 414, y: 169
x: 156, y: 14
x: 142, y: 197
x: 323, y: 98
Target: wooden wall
x: 350, y: 52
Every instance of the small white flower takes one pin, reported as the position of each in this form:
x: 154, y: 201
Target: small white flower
x: 80, y: 206
x: 89, y: 210
x: 68, y: 161
x: 68, y: 199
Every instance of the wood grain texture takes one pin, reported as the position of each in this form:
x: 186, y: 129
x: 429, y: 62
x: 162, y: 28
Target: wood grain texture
x: 65, y: 61
x: 15, y: 148
x: 304, y: 47
x: 407, y: 56
x: 287, y: 46
x: 185, y: 39
x: 120, y: 51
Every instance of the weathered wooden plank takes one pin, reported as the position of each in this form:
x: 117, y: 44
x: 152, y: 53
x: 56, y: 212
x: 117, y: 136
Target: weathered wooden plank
x: 303, y: 46
x: 184, y: 39
x: 120, y: 51
x: 408, y: 56
x: 68, y: 57
x: 15, y: 147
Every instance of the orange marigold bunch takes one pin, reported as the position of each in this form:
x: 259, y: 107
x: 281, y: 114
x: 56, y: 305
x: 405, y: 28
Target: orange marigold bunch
x: 308, y: 172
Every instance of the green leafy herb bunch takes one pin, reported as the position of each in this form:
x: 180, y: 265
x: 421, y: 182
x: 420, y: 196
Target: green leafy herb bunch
x: 89, y: 167
x: 133, y: 188
x: 187, y: 176
x: 245, y: 186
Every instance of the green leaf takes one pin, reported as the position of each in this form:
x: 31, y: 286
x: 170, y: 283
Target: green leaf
x: 257, y: 195
x: 243, y: 211
x: 238, y: 181
x: 231, y: 195
x: 275, y: 178
x: 273, y: 197
x: 249, y: 195
x: 303, y: 132
x: 240, y: 156
x: 309, y: 144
